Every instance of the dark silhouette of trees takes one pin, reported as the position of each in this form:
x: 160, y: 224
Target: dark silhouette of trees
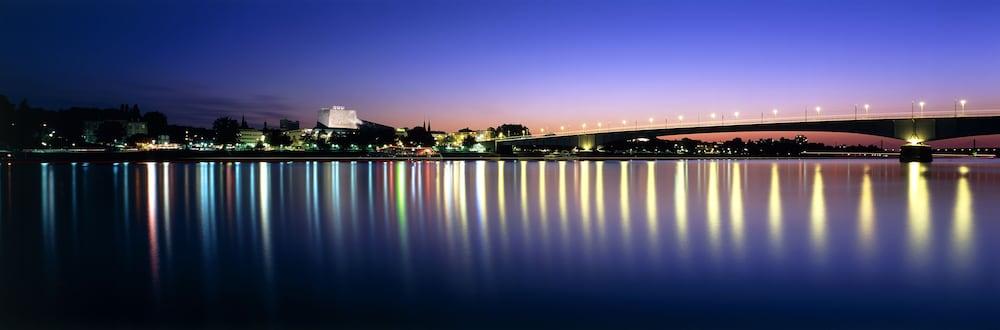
x: 512, y: 130
x: 227, y: 131
x: 156, y: 123
x: 110, y: 132
x: 468, y: 142
x: 277, y: 138
x: 419, y: 137
x: 8, y: 130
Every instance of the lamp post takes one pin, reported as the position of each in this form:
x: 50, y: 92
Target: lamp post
x: 775, y: 113
x: 855, y: 112
x: 922, y: 103
x: 962, y: 102
x: 867, y: 106
x: 650, y: 121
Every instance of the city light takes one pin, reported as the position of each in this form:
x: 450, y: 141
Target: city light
x: 562, y: 128
x: 712, y: 115
x: 650, y: 120
x: 624, y: 122
x: 736, y: 114
x: 598, y: 124
x: 818, y: 109
x: 680, y: 118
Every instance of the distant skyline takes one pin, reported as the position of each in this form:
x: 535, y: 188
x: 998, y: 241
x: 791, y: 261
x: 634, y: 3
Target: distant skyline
x: 483, y: 63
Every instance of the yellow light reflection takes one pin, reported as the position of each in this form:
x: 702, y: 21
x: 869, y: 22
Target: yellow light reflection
x: 817, y: 216
x: 962, y: 226
x: 712, y: 209
x: 736, y: 209
x: 484, y: 224
x: 774, y: 213
x: 563, y: 208
x: 525, y: 223
x: 502, y: 203
x: 680, y: 207
x: 585, y: 201
x: 542, y: 203
x: 919, y: 209
x: 866, y: 216
x: 599, y: 198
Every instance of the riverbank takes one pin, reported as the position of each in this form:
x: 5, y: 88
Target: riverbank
x: 272, y: 156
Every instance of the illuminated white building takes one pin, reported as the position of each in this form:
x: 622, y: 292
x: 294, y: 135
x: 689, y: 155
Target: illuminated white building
x: 339, y: 117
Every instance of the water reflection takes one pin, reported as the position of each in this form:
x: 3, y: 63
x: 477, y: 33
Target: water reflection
x: 866, y: 217
x: 817, y: 216
x: 774, y: 212
x: 962, y: 224
x: 918, y: 224
x: 311, y: 234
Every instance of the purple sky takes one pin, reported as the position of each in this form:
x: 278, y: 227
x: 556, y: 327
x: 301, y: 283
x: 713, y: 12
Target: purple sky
x: 479, y: 63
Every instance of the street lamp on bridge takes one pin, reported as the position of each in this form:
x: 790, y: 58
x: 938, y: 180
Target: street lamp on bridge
x: 922, y: 103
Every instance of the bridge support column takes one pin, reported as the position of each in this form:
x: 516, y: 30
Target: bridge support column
x: 917, y: 152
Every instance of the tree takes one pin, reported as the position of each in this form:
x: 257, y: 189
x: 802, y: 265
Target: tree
x: 109, y: 132
x: 278, y: 138
x: 227, y: 131
x: 512, y: 130
x: 419, y: 136
x: 156, y: 123
x: 7, y: 129
x: 468, y: 142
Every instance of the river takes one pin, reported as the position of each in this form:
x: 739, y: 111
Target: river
x: 473, y: 244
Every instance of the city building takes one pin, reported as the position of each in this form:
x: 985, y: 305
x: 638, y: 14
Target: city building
x: 338, y: 117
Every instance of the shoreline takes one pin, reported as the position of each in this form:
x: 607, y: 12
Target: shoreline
x: 219, y: 156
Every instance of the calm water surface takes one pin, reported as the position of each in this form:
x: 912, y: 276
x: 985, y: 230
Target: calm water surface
x: 482, y: 243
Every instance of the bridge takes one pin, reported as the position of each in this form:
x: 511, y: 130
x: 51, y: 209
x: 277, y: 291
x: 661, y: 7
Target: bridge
x: 916, y: 128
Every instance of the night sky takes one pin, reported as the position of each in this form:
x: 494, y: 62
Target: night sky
x: 481, y: 63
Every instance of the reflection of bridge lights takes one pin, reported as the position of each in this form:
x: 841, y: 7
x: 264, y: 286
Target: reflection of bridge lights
x: 963, y: 170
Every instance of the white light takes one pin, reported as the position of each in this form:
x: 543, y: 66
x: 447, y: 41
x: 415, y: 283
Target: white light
x: 584, y: 125
x: 921, y: 104
x: 623, y: 122
x: 650, y: 120
x: 867, y: 106
x: 736, y: 114
x: 962, y: 102
x: 680, y: 118
x: 712, y: 115
x: 598, y: 124
x: 774, y: 111
x: 818, y: 109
